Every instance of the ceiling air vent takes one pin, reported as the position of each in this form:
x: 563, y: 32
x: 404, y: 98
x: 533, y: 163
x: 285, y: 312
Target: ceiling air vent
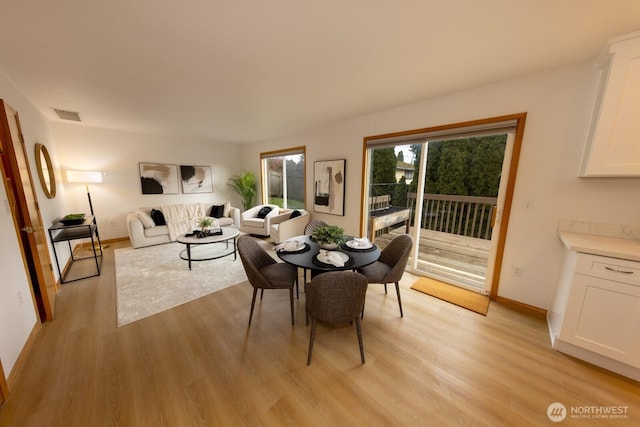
x: 68, y: 115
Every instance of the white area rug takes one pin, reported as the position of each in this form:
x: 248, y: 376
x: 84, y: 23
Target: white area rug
x: 153, y: 279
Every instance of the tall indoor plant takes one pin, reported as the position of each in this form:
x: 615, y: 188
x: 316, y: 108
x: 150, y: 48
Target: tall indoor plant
x: 245, y: 185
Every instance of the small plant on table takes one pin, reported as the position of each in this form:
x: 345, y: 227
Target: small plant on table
x: 208, y: 227
x: 328, y: 236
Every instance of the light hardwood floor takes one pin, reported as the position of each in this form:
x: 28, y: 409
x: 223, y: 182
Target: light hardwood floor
x: 199, y: 365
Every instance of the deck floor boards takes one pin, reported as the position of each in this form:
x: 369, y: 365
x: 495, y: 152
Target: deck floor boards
x: 459, y: 258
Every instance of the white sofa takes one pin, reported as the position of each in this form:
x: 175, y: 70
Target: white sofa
x: 284, y: 227
x: 250, y: 223
x: 143, y: 232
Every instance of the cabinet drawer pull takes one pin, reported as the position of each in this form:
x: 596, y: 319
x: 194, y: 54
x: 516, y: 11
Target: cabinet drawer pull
x: 618, y: 271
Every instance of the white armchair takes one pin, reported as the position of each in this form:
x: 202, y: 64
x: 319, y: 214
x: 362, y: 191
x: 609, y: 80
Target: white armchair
x: 251, y: 223
x: 284, y: 227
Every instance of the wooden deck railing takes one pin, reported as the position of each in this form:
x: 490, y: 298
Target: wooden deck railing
x: 377, y: 203
x: 461, y: 215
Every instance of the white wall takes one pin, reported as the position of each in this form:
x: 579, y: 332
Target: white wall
x: 558, y: 106
x: 17, y: 311
x: 118, y: 153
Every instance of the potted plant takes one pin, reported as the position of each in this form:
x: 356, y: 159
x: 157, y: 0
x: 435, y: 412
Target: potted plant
x: 245, y: 185
x: 328, y: 236
x: 204, y: 223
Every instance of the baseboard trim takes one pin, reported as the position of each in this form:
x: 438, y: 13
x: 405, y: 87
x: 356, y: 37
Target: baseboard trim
x: 118, y: 239
x: 104, y: 242
x: 536, y: 311
x: 20, y: 361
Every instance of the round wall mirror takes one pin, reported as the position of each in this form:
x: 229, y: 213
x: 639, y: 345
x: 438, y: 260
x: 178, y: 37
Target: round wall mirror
x: 45, y: 171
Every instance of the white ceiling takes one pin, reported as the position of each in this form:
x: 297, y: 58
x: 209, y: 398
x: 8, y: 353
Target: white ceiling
x: 250, y: 70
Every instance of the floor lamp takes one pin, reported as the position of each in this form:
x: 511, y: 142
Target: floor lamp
x: 86, y: 178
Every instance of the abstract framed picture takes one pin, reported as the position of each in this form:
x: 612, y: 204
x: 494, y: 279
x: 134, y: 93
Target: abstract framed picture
x: 328, y: 186
x: 196, y: 179
x: 159, y: 178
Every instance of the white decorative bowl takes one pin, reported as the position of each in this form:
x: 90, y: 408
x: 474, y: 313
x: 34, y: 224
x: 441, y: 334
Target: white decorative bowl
x: 329, y: 246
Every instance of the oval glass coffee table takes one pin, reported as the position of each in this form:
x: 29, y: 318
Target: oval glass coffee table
x: 203, y: 249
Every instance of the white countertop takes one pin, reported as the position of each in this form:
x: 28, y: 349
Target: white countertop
x: 616, y: 247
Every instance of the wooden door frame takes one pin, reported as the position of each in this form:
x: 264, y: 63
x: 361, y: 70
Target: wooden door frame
x: 520, y: 119
x: 508, y: 201
x: 20, y: 212
x: 4, y: 387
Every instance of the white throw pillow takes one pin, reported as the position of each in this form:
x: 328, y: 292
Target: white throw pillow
x: 145, y: 219
x: 227, y: 209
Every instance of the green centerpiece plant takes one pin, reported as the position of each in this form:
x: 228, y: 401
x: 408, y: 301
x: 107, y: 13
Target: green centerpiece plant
x: 328, y: 236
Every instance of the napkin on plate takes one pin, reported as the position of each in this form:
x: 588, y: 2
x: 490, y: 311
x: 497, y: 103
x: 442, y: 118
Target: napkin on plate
x: 361, y: 242
x: 288, y: 246
x: 332, y: 257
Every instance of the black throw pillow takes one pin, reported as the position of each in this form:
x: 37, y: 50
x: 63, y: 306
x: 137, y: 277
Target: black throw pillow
x: 295, y: 214
x: 262, y: 213
x: 217, y: 211
x: 158, y: 217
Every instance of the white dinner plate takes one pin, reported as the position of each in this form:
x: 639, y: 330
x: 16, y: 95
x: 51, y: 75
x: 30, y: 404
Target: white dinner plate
x: 353, y: 244
x: 300, y: 246
x: 322, y: 258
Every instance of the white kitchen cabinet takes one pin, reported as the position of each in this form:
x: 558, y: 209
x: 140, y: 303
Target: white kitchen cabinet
x: 595, y: 315
x: 613, y: 139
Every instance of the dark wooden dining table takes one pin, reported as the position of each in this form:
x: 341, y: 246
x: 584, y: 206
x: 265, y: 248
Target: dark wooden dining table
x: 307, y: 257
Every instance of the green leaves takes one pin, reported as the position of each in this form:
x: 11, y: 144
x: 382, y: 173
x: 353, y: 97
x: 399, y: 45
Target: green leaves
x: 245, y: 185
x: 383, y: 177
x: 328, y: 234
x: 205, y: 222
x: 469, y: 166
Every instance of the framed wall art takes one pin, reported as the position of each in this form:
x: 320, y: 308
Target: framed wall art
x: 158, y: 178
x: 196, y: 179
x: 328, y: 186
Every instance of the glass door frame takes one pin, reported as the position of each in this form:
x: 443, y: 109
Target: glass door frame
x: 264, y: 181
x: 403, y: 138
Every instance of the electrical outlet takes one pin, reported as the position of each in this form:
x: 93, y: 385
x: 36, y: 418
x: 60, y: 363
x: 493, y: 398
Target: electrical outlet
x: 20, y: 298
x: 517, y: 270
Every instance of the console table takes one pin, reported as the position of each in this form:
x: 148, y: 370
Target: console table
x: 87, y: 229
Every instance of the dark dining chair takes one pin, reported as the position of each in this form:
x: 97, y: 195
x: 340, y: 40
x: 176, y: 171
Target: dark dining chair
x: 390, y: 266
x: 308, y: 231
x: 336, y: 298
x: 264, y: 272
x: 312, y: 225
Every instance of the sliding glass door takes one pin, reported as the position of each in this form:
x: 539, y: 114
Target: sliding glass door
x: 283, y: 178
x: 447, y: 188
x: 458, y: 206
